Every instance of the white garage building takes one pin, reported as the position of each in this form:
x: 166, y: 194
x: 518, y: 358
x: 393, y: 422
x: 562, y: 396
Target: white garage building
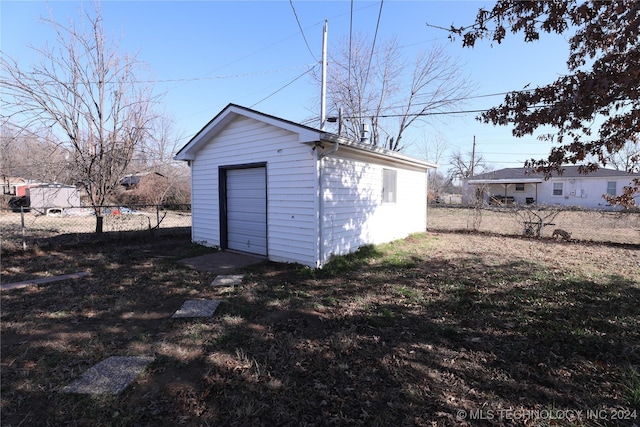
x: 292, y: 193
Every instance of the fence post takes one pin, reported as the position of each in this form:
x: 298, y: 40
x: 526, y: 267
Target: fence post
x: 24, y: 231
x: 157, y: 232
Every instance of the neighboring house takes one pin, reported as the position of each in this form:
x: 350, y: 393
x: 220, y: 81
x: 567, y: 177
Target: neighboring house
x: 292, y: 193
x: 144, y: 188
x: 130, y: 182
x: 18, y: 187
x: 521, y: 186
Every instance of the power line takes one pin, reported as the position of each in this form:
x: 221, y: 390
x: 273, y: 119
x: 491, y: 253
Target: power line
x: 435, y: 113
x: 452, y: 29
x: 301, y: 30
x: 451, y: 100
x: 230, y: 76
x: 373, y: 46
x: 193, y: 79
x: 291, y: 82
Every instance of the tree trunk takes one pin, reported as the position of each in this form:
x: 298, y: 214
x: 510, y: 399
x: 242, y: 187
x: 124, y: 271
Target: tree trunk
x: 99, y: 223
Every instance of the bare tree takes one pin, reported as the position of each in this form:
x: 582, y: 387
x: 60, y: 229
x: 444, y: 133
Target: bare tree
x: 150, y: 189
x: 31, y: 156
x: 164, y: 180
x: 370, y: 87
x: 89, y: 95
x: 625, y: 159
x: 179, y: 191
x: 432, y: 151
x: 157, y: 150
x: 465, y: 165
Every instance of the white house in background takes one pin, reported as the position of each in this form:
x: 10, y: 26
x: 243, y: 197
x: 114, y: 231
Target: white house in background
x: 292, y: 193
x: 572, y: 188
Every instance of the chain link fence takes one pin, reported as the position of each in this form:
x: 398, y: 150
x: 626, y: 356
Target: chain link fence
x: 22, y: 229
x: 28, y: 226
x: 622, y: 226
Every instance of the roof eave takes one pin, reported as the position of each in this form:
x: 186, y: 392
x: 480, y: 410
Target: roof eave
x: 505, y: 181
x: 377, y: 152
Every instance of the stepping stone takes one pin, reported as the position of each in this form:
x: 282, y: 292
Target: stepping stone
x: 111, y: 376
x: 197, y: 308
x: 228, y: 280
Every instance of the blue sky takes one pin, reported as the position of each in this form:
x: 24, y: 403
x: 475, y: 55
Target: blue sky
x: 206, y: 54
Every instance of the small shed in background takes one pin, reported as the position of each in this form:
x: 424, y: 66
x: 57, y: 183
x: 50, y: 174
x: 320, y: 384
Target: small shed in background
x: 271, y: 187
x: 48, y: 196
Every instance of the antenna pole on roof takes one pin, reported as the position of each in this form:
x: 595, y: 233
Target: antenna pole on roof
x: 323, y: 95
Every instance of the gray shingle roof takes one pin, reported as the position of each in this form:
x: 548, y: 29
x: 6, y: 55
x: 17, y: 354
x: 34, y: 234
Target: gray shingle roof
x: 528, y: 174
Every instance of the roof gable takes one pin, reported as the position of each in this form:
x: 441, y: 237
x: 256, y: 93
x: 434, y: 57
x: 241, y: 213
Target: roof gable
x: 228, y: 115
x: 305, y: 134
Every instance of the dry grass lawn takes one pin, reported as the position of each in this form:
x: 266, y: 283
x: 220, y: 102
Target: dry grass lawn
x: 432, y: 330
x: 586, y: 226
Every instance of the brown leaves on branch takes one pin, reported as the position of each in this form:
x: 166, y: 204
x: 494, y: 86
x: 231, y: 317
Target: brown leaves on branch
x: 594, y: 109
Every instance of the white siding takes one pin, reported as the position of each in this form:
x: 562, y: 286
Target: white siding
x: 291, y: 187
x: 583, y: 192
x: 54, y: 196
x: 353, y: 212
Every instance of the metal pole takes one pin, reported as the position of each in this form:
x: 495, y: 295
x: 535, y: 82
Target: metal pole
x: 323, y: 94
x: 473, y: 155
x: 24, y: 231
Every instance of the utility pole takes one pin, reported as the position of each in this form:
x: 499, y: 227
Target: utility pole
x: 323, y: 95
x: 473, y: 156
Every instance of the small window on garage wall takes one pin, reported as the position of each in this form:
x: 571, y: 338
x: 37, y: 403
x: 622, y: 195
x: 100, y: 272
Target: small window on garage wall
x: 611, y: 188
x: 520, y: 188
x: 389, y: 185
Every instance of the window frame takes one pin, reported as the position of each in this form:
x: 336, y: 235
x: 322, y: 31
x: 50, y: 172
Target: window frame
x: 558, y: 189
x: 615, y: 188
x: 519, y: 190
x: 389, y: 179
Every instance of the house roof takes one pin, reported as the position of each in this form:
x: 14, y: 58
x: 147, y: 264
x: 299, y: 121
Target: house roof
x: 54, y: 185
x: 525, y: 175
x: 306, y: 134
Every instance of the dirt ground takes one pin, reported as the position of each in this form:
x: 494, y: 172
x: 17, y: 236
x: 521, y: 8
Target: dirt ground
x: 439, y: 329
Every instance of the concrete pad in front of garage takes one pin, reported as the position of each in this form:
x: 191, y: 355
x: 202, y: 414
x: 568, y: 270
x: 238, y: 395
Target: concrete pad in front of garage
x: 111, y: 376
x: 222, y: 262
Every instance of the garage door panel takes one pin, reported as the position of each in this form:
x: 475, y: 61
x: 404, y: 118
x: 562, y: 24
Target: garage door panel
x: 245, y: 193
x: 248, y: 205
x: 245, y: 225
x: 247, y: 210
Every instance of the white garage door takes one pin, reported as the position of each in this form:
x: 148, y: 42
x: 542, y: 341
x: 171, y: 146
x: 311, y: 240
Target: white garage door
x: 247, y: 210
